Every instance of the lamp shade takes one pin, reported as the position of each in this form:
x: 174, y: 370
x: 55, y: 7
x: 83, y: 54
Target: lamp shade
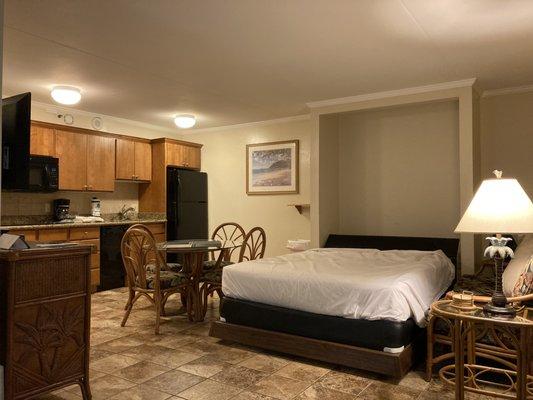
x: 499, y: 206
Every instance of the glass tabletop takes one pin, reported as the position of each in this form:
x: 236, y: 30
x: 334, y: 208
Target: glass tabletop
x: 194, y: 245
x: 445, y: 308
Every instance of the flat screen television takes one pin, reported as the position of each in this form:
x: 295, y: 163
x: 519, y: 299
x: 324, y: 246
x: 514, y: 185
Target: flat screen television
x: 16, y: 120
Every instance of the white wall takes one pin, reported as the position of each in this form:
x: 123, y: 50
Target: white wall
x: 399, y: 171
x: 224, y: 160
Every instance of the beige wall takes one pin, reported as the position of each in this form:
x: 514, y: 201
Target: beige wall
x: 224, y: 160
x: 399, y: 171
x: 328, y: 172
x: 507, y: 137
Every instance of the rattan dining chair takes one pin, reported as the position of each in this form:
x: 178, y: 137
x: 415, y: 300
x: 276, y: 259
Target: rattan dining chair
x: 253, y: 248
x: 228, y: 231
x: 254, y: 245
x: 147, y: 273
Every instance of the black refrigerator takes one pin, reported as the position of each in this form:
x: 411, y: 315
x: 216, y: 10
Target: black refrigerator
x: 186, y: 204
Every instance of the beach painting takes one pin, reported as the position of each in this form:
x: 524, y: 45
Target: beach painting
x: 272, y: 168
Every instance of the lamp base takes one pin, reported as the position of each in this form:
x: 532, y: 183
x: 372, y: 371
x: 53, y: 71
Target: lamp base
x: 506, y: 311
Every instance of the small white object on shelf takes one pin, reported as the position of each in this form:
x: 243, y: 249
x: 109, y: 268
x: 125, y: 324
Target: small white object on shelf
x: 298, y: 245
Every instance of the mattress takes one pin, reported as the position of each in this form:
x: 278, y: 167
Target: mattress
x: 377, y: 335
x: 393, y: 285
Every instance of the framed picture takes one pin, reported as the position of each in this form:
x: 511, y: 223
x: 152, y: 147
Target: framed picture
x: 272, y: 168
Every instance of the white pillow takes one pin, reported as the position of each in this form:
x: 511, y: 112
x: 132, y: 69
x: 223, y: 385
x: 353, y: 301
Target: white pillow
x: 517, y: 265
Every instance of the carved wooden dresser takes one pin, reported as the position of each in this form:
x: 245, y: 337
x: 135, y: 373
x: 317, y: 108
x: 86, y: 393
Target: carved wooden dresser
x: 45, y: 303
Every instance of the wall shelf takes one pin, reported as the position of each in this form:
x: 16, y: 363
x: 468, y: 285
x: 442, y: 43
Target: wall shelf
x: 300, y: 207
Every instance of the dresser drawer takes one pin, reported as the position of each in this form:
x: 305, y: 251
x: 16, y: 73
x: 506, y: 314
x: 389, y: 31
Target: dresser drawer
x: 91, y: 242
x: 50, y: 235
x: 95, y: 260
x: 30, y: 235
x: 160, y: 238
x: 95, y: 277
x: 92, y: 232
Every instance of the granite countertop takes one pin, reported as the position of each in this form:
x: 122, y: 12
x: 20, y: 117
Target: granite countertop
x: 27, y: 224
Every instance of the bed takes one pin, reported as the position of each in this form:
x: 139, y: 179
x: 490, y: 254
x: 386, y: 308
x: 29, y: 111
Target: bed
x: 312, y: 304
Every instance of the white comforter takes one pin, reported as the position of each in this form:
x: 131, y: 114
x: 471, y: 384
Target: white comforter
x: 352, y: 283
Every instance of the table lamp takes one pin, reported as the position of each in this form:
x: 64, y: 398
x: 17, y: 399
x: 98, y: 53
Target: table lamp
x: 499, y: 206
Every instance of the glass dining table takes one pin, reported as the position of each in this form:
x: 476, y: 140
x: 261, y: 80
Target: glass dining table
x: 193, y: 258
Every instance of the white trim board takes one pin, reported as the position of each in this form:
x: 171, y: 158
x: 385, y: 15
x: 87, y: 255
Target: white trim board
x: 393, y: 93
x: 509, y: 90
x: 301, y: 117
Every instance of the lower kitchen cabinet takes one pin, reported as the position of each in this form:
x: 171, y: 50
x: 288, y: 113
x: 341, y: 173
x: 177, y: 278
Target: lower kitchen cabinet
x: 85, y: 235
x: 106, y: 269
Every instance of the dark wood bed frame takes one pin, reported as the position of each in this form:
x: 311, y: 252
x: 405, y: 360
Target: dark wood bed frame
x: 391, y: 364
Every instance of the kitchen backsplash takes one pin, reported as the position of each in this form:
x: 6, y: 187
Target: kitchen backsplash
x: 19, y: 204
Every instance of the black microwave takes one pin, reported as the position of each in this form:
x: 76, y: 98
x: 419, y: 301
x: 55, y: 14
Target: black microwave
x: 37, y: 174
x: 43, y: 174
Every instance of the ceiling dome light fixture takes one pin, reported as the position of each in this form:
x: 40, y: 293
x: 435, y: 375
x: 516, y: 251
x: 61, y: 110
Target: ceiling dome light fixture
x: 67, y: 95
x: 185, y: 121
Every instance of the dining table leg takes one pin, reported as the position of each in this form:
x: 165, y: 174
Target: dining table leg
x: 194, y: 262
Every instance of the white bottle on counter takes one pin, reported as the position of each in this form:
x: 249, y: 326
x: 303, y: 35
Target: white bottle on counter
x: 95, y: 207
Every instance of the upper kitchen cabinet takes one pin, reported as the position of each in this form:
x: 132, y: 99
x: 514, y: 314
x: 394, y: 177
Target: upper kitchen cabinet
x: 134, y: 160
x: 143, y: 161
x: 101, y: 167
x: 86, y: 162
x: 42, y: 140
x: 71, y: 149
x: 166, y: 152
x: 183, y: 155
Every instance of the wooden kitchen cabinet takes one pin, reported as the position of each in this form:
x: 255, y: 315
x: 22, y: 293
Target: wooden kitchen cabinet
x: 134, y: 160
x: 89, y: 235
x: 143, y: 161
x: 183, y: 156
x: 125, y: 161
x: 86, y: 162
x: 191, y: 157
x: 42, y: 140
x: 101, y: 163
x: 71, y: 149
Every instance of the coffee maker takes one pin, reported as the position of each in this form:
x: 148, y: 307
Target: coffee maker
x: 62, y: 211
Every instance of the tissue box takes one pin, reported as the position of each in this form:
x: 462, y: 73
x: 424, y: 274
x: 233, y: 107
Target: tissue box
x: 298, y: 245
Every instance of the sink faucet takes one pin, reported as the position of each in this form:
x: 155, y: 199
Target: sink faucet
x: 125, y: 212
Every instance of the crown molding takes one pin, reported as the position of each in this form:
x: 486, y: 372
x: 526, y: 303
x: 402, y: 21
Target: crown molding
x: 509, y: 90
x: 393, y: 93
x: 59, y: 109
x: 301, y: 117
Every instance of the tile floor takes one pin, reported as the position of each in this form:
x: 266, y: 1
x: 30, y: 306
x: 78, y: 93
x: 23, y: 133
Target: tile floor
x: 183, y: 362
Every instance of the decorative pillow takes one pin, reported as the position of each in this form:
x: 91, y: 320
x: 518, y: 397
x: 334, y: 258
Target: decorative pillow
x: 525, y: 281
x: 518, y: 267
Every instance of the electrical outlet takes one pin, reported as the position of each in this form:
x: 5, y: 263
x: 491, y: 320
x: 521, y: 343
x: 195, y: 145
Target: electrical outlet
x: 46, y: 208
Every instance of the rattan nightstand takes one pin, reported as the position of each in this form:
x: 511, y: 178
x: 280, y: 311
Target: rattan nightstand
x: 476, y: 338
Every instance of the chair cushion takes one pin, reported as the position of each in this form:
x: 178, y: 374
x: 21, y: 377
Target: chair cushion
x: 167, y: 279
x: 211, y: 264
x: 214, y: 275
x: 175, y: 267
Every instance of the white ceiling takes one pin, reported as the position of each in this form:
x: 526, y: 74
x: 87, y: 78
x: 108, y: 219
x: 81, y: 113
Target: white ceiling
x: 238, y: 61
